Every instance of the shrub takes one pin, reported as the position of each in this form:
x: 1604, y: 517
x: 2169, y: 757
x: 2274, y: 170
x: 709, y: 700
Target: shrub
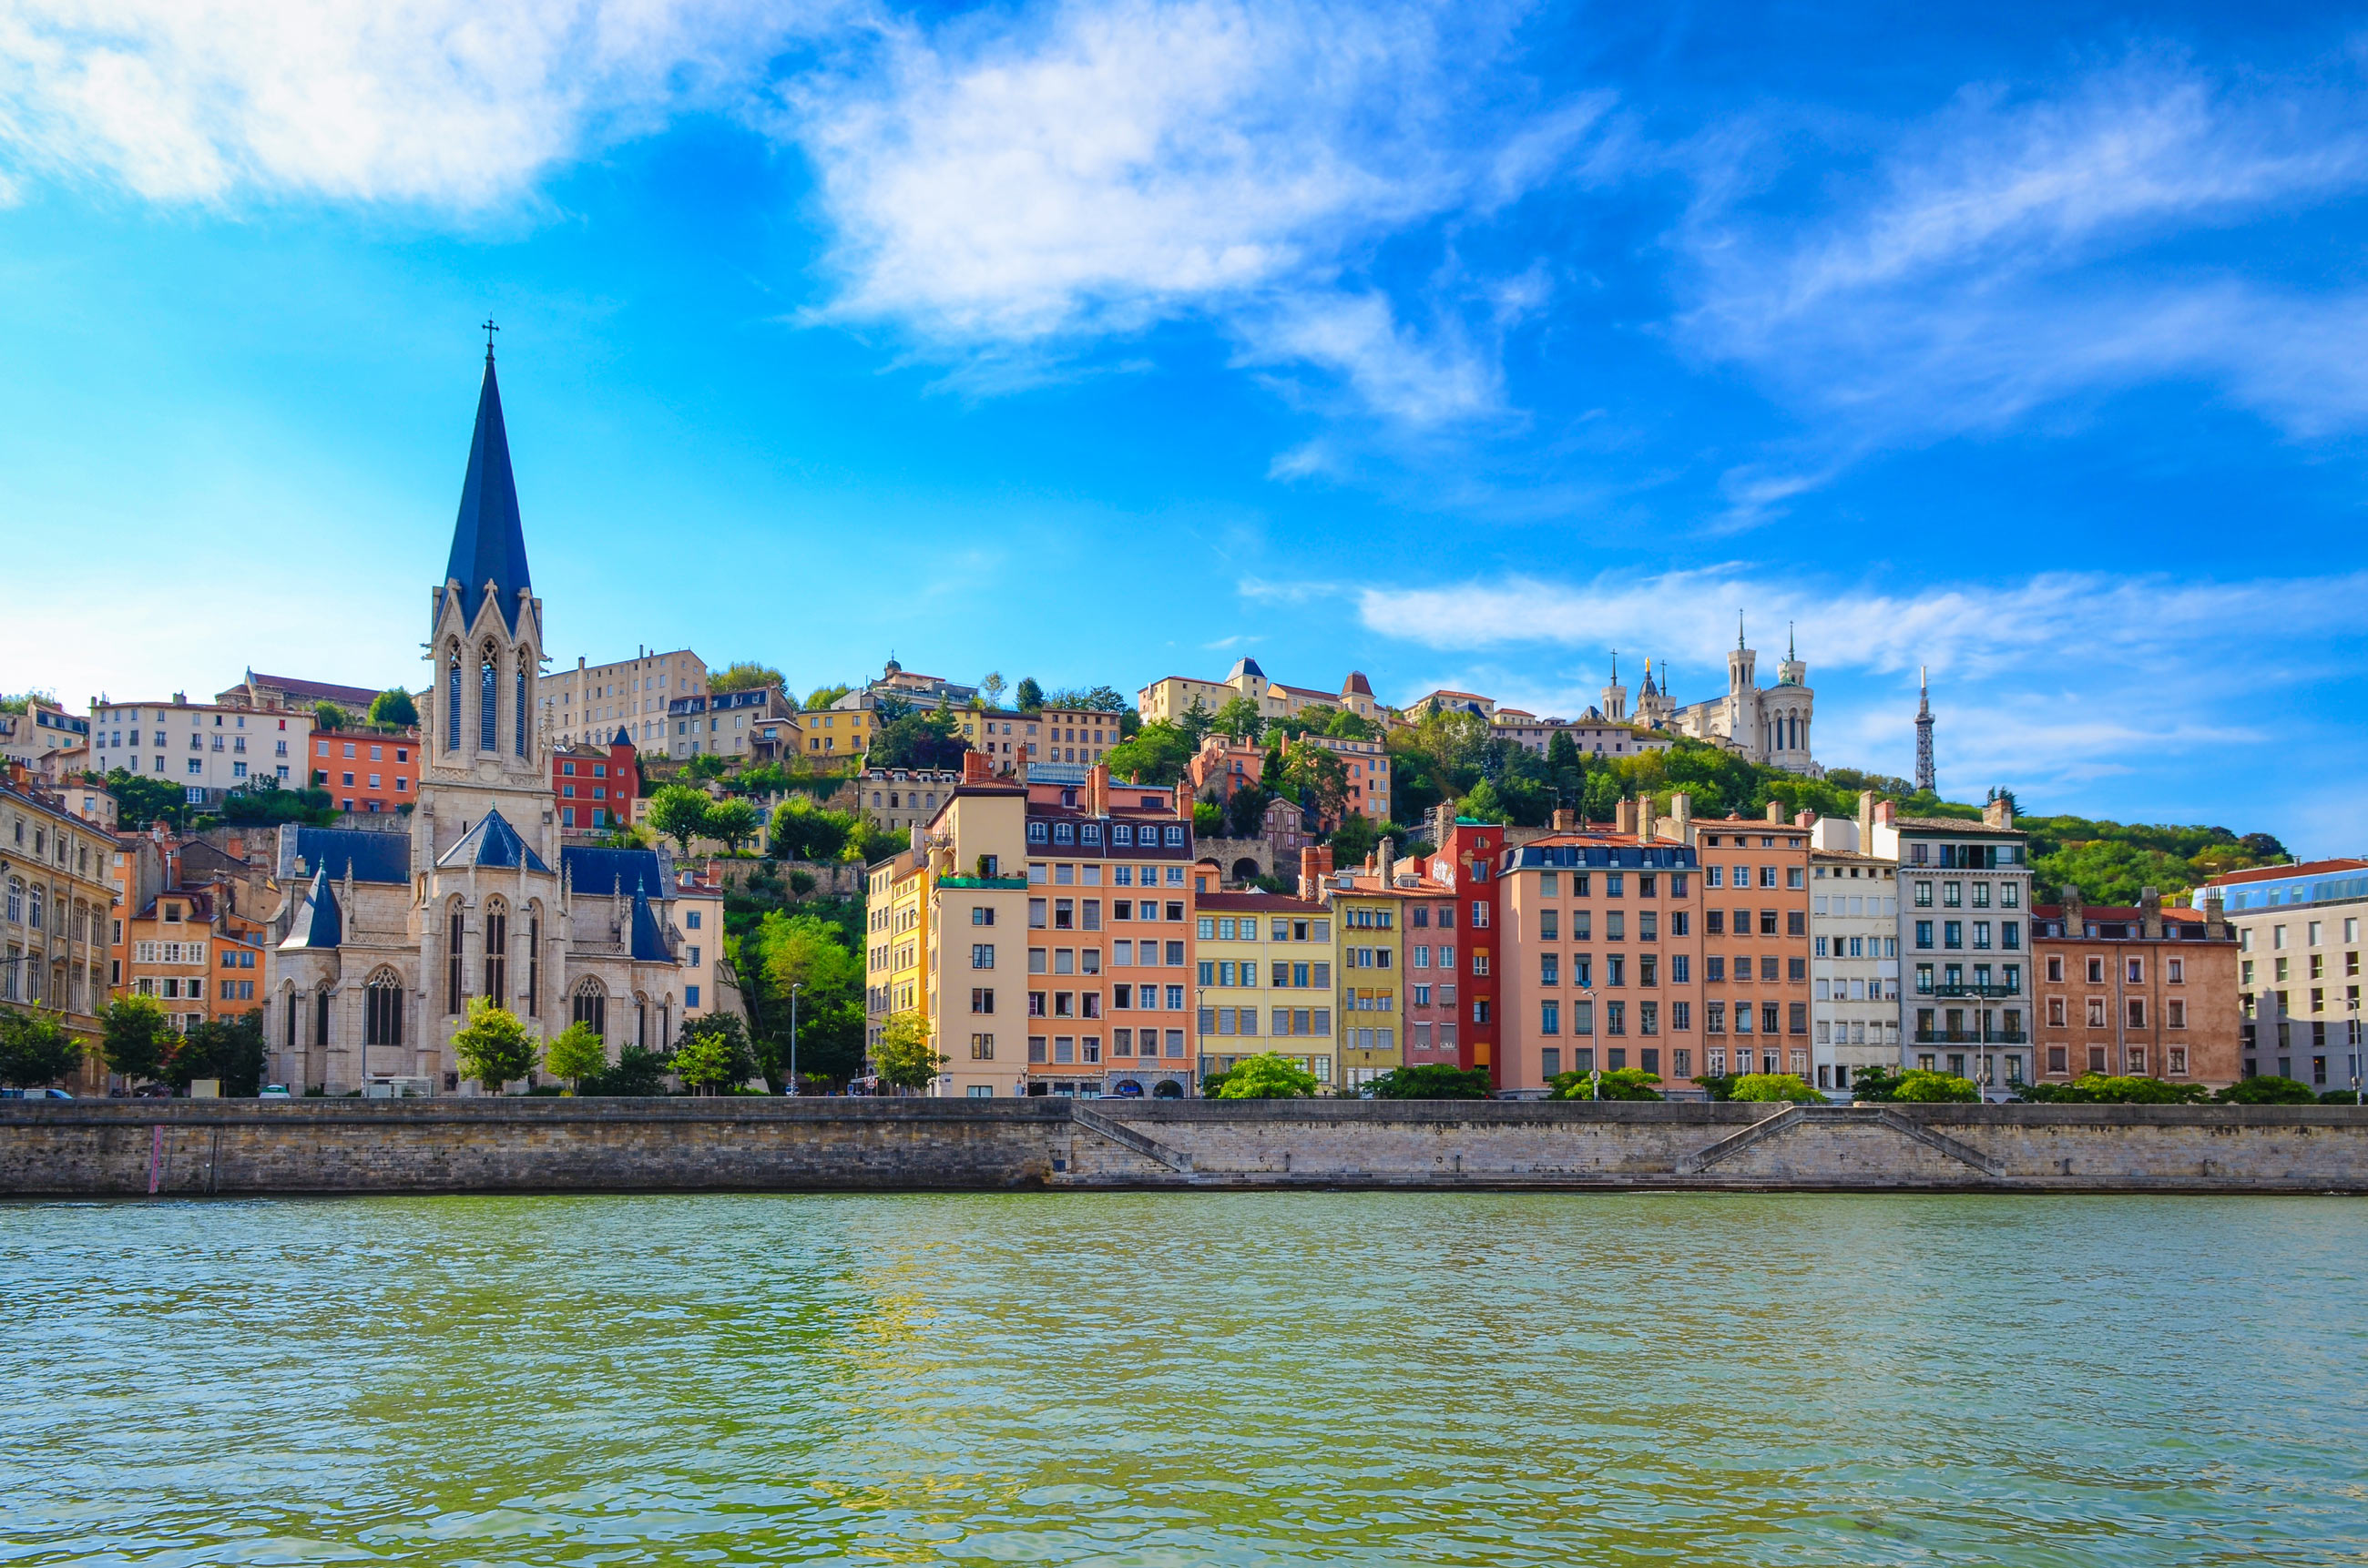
x: 638, y: 1073
x: 2268, y: 1090
x: 1267, y: 1077
x: 800, y: 883
x: 577, y: 1055
x: 1620, y: 1083
x: 1924, y: 1088
x: 35, y: 1048
x: 1764, y: 1086
x: 494, y: 1047
x: 2339, y: 1096
x: 1718, y: 1085
x: 2097, y: 1089
x: 1433, y: 1082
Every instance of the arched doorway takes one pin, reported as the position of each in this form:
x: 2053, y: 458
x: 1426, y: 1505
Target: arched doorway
x: 1167, y: 1089
x: 1247, y: 870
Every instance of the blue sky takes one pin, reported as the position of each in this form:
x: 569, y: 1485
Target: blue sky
x: 1101, y: 342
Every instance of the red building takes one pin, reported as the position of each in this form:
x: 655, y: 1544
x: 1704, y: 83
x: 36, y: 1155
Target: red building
x: 2139, y: 990
x: 594, y: 788
x: 366, y: 770
x: 1464, y: 864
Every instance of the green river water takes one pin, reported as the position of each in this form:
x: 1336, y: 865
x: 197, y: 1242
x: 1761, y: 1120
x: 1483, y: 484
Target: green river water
x: 1185, y: 1378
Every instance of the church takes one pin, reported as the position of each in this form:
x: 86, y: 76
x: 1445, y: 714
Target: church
x: 1764, y: 725
x: 382, y: 940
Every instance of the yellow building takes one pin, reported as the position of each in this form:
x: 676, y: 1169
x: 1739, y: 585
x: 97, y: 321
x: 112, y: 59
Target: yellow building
x: 57, y: 916
x: 1370, y: 960
x: 1265, y: 980
x: 836, y: 732
x: 1171, y: 697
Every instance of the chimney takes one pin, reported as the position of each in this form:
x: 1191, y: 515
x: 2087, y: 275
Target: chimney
x: 1775, y: 811
x: 1681, y: 806
x: 1314, y: 867
x: 1886, y: 812
x: 1805, y: 818
x: 1644, y: 816
x: 2075, y: 914
x: 1997, y: 812
x: 2150, y: 912
x: 1097, y: 789
x: 978, y: 767
x: 1623, y: 817
x: 1385, y: 861
x: 1564, y: 820
x: 1866, y: 822
x: 2216, y: 921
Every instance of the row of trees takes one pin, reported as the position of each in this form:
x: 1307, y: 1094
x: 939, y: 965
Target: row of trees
x: 139, y: 1041
x: 713, y: 1055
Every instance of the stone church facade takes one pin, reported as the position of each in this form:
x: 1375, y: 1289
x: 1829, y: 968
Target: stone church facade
x: 1764, y: 725
x: 384, y: 939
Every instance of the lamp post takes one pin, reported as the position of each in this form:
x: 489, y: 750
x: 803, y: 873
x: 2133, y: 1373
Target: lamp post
x: 2353, y: 1005
x: 797, y: 1084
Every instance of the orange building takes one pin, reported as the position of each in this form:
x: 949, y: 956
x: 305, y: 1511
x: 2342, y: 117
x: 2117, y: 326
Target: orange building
x: 196, y: 952
x: 2142, y: 991
x: 366, y: 770
x: 594, y: 788
x: 1755, y: 980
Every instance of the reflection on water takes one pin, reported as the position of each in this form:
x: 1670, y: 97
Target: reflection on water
x: 1184, y: 1379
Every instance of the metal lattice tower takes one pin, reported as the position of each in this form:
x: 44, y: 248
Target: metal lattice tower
x: 1925, y: 779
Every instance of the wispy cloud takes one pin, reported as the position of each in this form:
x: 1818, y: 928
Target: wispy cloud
x: 1029, y: 184
x: 1970, y: 280
x: 453, y: 104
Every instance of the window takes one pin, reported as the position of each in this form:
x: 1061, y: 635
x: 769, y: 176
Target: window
x: 2136, y: 1012
x: 982, y: 955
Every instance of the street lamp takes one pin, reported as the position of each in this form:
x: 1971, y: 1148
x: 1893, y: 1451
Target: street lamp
x: 797, y: 1083
x: 2353, y: 1005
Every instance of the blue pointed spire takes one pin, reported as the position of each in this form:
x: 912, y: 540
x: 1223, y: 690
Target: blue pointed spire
x: 319, y: 922
x: 488, y: 539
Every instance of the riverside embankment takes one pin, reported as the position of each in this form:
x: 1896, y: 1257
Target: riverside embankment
x: 227, y: 1147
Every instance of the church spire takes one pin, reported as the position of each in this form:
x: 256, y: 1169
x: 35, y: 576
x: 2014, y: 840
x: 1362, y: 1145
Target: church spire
x: 488, y: 539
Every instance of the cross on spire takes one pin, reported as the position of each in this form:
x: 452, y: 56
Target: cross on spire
x: 488, y: 328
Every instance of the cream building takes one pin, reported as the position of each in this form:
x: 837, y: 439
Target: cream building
x: 208, y: 748
x: 1171, y: 697
x: 1855, y: 955
x: 56, y: 911
x: 1765, y: 724
x: 39, y: 734
x: 751, y: 725
x: 382, y: 940
x: 589, y: 702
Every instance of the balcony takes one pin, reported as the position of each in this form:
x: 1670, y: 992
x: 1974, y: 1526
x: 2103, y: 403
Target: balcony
x: 1988, y: 992
x: 1971, y: 1037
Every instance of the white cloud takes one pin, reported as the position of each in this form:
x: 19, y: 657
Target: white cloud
x: 449, y: 103
x: 1028, y: 183
x: 1973, y: 279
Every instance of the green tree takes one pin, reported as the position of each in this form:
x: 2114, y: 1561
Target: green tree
x: 815, y: 955
x: 394, y: 709
x: 2098, y: 1089
x: 904, y: 1058
x: 1318, y: 779
x: 329, y: 716
x: 638, y: 1074
x: 803, y: 831
x: 704, y: 766
x: 1245, y: 812
x: 1482, y: 803
x: 135, y: 1038
x: 1194, y: 723
x: 1240, y: 718
x: 1922, y: 1086
x: 576, y: 1055
x: 1028, y: 698
x: 1208, y: 819
x: 1619, y: 1084
x: 746, y: 674
x: 1157, y: 754
x: 1763, y: 1086
x: 822, y: 697
x: 492, y: 1046
x: 1267, y: 1077
x: 927, y: 738
x: 230, y: 1051
x: 2268, y: 1090
x: 140, y: 800
x: 680, y: 813
x: 1344, y: 725
x: 991, y: 687
x: 712, y: 1054
x: 1356, y: 838
x: 36, y: 1049
x: 1432, y: 1082
x: 734, y: 822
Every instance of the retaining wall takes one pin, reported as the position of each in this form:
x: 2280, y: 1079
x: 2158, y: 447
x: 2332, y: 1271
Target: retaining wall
x: 132, y: 1148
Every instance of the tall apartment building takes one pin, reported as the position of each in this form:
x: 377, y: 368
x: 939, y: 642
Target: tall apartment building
x: 1465, y: 862
x: 1963, y: 914
x: 2139, y: 990
x: 365, y: 770
x: 1756, y: 947
x: 1855, y: 952
x: 1045, y: 933
x: 55, y: 909
x: 208, y: 748
x: 590, y: 701
x: 1264, y: 980
x: 1598, y: 959
x: 2298, y: 942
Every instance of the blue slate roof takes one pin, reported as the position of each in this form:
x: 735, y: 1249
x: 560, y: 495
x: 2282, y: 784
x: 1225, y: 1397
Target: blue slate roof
x: 373, y: 857
x: 319, y: 922
x: 493, y: 842
x: 624, y: 737
x: 597, y: 872
x: 649, y: 937
x: 1246, y: 667
x: 488, y: 539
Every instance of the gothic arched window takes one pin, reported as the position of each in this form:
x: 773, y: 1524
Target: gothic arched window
x: 517, y: 707
x: 453, y: 703
x: 497, y: 953
x: 591, y: 1007
x: 454, y: 927
x: 488, y: 689
x: 383, y: 1010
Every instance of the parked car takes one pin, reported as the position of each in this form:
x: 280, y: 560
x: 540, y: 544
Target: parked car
x: 275, y: 1092
x: 152, y: 1092
x: 34, y: 1094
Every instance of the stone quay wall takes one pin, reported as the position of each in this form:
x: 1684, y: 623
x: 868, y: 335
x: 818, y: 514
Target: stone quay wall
x: 101, y: 1148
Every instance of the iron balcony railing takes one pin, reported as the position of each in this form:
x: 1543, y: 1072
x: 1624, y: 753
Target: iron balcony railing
x: 1971, y: 1037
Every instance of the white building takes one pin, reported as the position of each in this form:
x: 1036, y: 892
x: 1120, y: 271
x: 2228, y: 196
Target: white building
x: 208, y: 748
x: 589, y: 702
x: 1854, y: 957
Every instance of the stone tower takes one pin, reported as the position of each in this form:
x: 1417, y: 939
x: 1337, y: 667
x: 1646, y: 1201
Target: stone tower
x: 1925, y: 780
x: 1615, y: 696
